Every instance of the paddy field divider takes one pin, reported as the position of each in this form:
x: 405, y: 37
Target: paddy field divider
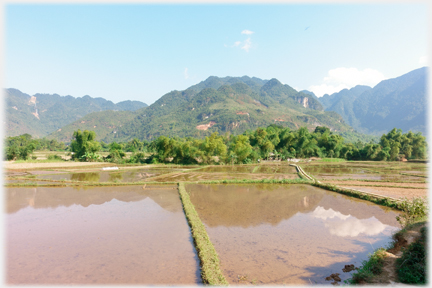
x: 209, y: 259
x: 372, y: 197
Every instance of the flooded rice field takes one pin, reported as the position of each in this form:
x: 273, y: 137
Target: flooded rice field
x: 258, y: 169
x: 98, y: 235
x: 105, y: 176
x: 263, y: 233
x: 289, y: 234
x: 196, y: 176
x: 393, y: 171
x: 335, y: 170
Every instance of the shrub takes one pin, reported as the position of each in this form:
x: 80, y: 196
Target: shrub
x: 54, y: 157
x: 372, y: 266
x: 411, y: 267
x: 412, y: 210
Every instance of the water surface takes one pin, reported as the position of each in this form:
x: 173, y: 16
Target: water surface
x: 98, y: 235
x: 130, y: 175
x: 289, y: 234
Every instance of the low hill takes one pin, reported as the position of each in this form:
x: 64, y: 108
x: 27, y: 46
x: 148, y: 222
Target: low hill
x: 42, y: 114
x: 230, y: 104
x: 103, y: 123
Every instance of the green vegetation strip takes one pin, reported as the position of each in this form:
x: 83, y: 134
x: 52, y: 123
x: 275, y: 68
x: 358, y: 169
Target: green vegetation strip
x: 415, y: 175
x: 251, y: 181
x: 210, y: 269
x: 377, y: 199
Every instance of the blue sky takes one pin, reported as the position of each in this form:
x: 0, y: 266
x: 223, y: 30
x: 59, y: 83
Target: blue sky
x: 142, y: 51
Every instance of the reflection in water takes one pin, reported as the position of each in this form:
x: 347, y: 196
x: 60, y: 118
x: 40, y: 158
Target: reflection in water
x: 129, y: 175
x: 346, y: 225
x: 335, y: 170
x: 102, y: 235
x: 289, y: 234
x: 353, y: 227
x: 45, y: 197
x: 115, y: 177
x: 322, y: 213
x: 89, y: 176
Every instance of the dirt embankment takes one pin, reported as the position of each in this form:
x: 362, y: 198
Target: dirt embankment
x: 403, y: 240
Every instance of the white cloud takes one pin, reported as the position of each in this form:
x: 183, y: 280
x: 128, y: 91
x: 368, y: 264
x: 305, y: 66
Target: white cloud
x: 186, y: 75
x: 341, y: 78
x: 247, y: 44
x: 244, y: 45
x: 247, y: 32
x: 423, y: 61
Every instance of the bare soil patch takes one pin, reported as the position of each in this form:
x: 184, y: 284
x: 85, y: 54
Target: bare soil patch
x: 389, y: 274
x: 391, y: 191
x: 363, y: 183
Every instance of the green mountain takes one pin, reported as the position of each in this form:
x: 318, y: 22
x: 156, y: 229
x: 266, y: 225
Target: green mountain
x: 399, y: 102
x: 103, y: 123
x: 230, y: 104
x: 42, y: 114
x: 342, y: 103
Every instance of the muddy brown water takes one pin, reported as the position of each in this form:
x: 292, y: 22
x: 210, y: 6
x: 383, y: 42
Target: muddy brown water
x: 289, y: 234
x: 335, y: 170
x: 264, y: 169
x: 99, y: 235
x: 104, y: 176
x: 196, y: 176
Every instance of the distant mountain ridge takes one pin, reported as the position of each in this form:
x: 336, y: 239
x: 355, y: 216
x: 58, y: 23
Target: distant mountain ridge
x: 42, y: 114
x: 225, y: 105
x: 229, y: 104
x: 400, y: 102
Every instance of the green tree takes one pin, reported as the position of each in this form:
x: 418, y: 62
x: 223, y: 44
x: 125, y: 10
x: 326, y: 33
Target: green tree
x: 84, y: 146
x: 240, y: 149
x: 213, y: 146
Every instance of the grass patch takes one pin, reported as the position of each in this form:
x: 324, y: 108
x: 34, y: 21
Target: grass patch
x: 384, y: 201
x: 333, y: 160
x: 411, y: 267
x: 251, y: 181
x: 210, y: 269
x: 371, y: 267
x: 414, y: 175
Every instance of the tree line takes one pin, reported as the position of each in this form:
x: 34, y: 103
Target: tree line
x: 274, y: 141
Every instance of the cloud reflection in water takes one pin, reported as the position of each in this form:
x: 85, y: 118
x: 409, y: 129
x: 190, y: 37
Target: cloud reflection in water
x: 347, y: 225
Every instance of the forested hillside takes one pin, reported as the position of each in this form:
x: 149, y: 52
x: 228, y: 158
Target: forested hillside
x: 399, y: 102
x: 228, y: 105
x: 42, y: 114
